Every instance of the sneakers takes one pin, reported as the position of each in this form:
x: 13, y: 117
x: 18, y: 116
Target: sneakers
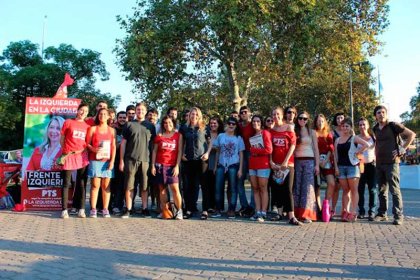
x: 307, y: 221
x: 145, y: 212
x: 81, y: 213
x: 261, y: 218
x: 274, y: 210
x: 64, y: 214
x: 380, y: 218
x: 231, y: 214
x: 361, y: 216
x: 93, y: 213
x: 398, y: 221
x: 126, y: 214
x: 73, y: 212
x: 371, y: 218
x: 216, y: 214
x: 254, y: 218
x: 188, y: 215
x: 204, y: 215
x: 247, y: 212
x: 179, y: 215
x: 105, y: 213
x: 116, y: 211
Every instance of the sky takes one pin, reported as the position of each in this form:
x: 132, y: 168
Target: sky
x: 92, y: 24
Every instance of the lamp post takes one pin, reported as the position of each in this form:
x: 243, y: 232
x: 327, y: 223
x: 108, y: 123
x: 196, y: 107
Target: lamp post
x: 351, y: 85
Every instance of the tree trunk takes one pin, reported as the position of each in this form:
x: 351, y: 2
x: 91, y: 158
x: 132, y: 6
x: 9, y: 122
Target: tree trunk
x: 234, y: 85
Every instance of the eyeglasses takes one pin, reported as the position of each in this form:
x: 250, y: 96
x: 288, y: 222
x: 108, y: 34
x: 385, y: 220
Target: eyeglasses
x: 303, y: 118
x: 290, y: 112
x: 243, y: 112
x: 231, y: 123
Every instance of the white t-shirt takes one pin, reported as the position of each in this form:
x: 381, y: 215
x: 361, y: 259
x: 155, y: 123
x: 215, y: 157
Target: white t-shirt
x: 229, y: 146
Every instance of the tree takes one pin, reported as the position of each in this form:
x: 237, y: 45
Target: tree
x: 265, y: 52
x: 412, y: 119
x: 23, y: 73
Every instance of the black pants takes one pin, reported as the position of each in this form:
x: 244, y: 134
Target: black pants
x: 284, y: 192
x: 194, y: 173
x: 79, y: 197
x: 117, y: 190
x: 368, y: 178
x: 211, y: 189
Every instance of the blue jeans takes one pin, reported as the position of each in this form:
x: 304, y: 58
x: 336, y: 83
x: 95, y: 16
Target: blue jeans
x: 241, y: 183
x: 232, y: 176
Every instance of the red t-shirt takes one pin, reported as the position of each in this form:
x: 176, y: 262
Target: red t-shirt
x: 104, y: 140
x: 281, y: 145
x: 74, y: 133
x: 246, y: 132
x: 260, y: 156
x: 90, y: 121
x: 167, y: 150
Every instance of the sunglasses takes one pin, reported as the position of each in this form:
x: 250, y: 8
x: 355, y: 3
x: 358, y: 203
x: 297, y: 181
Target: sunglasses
x: 302, y: 118
x: 243, y: 112
x: 231, y: 123
x: 269, y: 121
x: 290, y: 112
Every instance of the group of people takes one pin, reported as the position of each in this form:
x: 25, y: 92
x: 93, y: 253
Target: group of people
x: 284, y: 156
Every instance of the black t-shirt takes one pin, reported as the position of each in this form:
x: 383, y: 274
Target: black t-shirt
x: 386, y: 142
x: 139, y: 138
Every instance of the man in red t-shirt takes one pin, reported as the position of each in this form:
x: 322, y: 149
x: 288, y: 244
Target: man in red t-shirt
x: 246, y: 131
x: 91, y: 120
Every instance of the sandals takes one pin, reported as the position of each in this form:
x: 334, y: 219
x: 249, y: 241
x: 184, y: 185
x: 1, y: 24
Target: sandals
x: 204, y: 215
x: 295, y: 222
x: 352, y: 217
x: 345, y: 216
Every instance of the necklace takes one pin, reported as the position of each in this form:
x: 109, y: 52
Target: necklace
x: 47, y: 161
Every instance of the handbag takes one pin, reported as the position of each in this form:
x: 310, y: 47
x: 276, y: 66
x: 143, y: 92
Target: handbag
x: 279, y: 176
x: 352, y: 152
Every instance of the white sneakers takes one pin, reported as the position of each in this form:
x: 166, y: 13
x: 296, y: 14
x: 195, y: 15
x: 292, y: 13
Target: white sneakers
x: 64, y: 214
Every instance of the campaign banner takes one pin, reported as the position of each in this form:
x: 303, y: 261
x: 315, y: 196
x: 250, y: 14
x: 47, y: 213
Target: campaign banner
x: 42, y: 178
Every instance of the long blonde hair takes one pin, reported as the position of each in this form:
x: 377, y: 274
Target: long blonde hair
x: 201, y: 124
x: 47, y: 141
x: 321, y: 131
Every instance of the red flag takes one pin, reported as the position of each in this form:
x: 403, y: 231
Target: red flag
x: 62, y: 90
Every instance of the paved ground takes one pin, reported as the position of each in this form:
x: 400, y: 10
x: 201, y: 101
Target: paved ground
x: 39, y: 245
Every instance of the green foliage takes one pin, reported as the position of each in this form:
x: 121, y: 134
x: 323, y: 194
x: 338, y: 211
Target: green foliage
x: 412, y: 119
x: 264, y: 52
x: 23, y: 73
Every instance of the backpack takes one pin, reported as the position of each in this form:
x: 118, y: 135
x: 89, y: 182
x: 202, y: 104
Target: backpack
x: 398, y: 139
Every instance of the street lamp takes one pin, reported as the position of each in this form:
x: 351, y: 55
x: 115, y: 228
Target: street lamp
x: 351, y: 86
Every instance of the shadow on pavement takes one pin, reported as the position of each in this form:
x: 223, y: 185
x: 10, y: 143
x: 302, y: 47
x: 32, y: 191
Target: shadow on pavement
x: 59, y: 261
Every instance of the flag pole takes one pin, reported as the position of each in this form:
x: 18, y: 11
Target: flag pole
x: 43, y: 37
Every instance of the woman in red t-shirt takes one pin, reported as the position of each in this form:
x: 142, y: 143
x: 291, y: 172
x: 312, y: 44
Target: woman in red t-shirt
x: 101, y: 145
x: 259, y: 166
x: 284, y: 142
x: 326, y: 158
x: 45, y: 156
x: 166, y: 157
x: 73, y: 144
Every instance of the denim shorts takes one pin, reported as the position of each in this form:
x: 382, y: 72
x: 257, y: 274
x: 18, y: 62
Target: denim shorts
x: 99, y: 169
x: 346, y: 172
x: 262, y: 173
